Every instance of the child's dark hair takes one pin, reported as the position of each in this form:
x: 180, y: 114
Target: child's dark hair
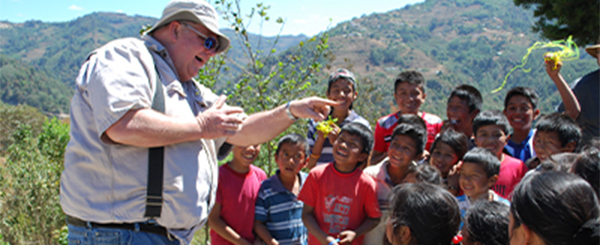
x: 559, y: 162
x: 566, y: 128
x: 587, y: 166
x: 526, y: 92
x: 468, y: 94
x: 456, y: 140
x: 411, y: 119
x: 293, y: 139
x: 363, y: 132
x: 411, y: 77
x: 560, y: 208
x: 426, y: 173
x: 430, y: 212
x: 417, y: 133
x: 487, y: 223
x: 484, y: 158
x: 491, y: 117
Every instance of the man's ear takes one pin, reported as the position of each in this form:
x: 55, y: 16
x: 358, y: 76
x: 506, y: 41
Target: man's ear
x: 405, y: 236
x: 474, y: 113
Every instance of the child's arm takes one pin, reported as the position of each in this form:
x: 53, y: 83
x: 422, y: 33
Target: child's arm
x: 223, y: 229
x: 308, y: 217
x: 348, y: 236
x: 261, y: 230
x: 316, y: 150
x: 572, y: 107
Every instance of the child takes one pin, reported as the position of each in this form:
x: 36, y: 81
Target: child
x: 554, y: 208
x: 422, y: 214
x: 491, y: 131
x: 478, y: 173
x: 278, y: 211
x: 239, y: 182
x: 587, y: 166
x: 341, y: 88
x: 409, y: 93
x: 340, y: 201
x: 464, y: 104
x: 555, y: 133
x: 423, y: 173
x: 520, y: 108
x: 407, y: 144
x: 446, y: 151
x: 486, y: 223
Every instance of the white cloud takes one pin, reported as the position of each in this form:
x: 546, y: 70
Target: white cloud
x: 75, y: 7
x: 120, y: 11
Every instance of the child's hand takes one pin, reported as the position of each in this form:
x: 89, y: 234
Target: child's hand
x: 453, y: 177
x: 333, y: 134
x: 347, y: 237
x: 553, y: 67
x: 331, y: 241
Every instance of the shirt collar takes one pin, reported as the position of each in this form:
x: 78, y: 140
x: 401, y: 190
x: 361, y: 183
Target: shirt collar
x: 277, y: 186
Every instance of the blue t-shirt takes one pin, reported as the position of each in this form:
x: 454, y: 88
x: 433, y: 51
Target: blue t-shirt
x: 523, y: 150
x: 281, y: 211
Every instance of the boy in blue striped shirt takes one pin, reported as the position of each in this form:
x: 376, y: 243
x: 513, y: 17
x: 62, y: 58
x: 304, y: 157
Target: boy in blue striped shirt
x: 278, y: 215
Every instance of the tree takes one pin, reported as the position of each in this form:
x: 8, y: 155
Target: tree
x: 562, y: 18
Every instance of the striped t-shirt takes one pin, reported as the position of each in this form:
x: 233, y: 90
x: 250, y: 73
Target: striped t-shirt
x: 281, y: 211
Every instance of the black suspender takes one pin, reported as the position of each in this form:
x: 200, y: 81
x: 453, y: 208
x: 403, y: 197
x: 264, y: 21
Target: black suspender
x: 154, y: 197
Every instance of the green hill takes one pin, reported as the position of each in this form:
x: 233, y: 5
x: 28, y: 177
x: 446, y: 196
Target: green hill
x: 450, y: 41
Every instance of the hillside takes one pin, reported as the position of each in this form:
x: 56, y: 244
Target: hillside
x: 55, y: 51
x: 451, y: 41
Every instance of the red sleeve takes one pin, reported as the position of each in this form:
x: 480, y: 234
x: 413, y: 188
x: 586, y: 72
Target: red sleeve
x: 371, y: 203
x: 379, y: 144
x: 308, y: 191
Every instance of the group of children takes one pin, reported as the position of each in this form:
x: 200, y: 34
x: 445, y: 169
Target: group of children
x: 416, y: 179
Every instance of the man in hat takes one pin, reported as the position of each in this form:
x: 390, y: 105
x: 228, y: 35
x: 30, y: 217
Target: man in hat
x: 587, y: 90
x: 135, y: 174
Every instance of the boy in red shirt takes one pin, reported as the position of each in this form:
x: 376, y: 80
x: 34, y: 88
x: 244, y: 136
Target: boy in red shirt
x: 491, y: 132
x: 409, y: 94
x: 340, y: 201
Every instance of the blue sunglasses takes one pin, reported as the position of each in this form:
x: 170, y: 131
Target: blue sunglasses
x: 210, y: 43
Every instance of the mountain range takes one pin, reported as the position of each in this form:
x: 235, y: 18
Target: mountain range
x: 450, y: 41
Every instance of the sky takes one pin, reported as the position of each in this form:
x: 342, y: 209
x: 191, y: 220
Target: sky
x: 307, y: 17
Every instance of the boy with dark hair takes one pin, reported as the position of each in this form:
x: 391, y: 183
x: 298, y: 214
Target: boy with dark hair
x: 464, y: 103
x: 479, y: 172
x: 555, y: 133
x: 486, y: 223
x: 491, y: 132
x: 520, y: 108
x: 278, y: 218
x: 409, y: 94
x: 407, y: 145
x: 340, y: 201
x: 341, y: 87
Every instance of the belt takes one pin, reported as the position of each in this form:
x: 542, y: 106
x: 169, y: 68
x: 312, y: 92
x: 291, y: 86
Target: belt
x: 150, y: 228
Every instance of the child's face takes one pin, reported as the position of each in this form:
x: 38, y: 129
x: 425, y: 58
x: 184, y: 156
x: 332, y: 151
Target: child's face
x: 290, y: 159
x: 341, y: 91
x: 492, y: 138
x: 443, y: 158
x: 459, y: 115
x: 245, y: 154
x: 520, y: 113
x: 409, y: 97
x: 348, y: 150
x: 402, y: 151
x: 474, y: 181
x: 546, y: 144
